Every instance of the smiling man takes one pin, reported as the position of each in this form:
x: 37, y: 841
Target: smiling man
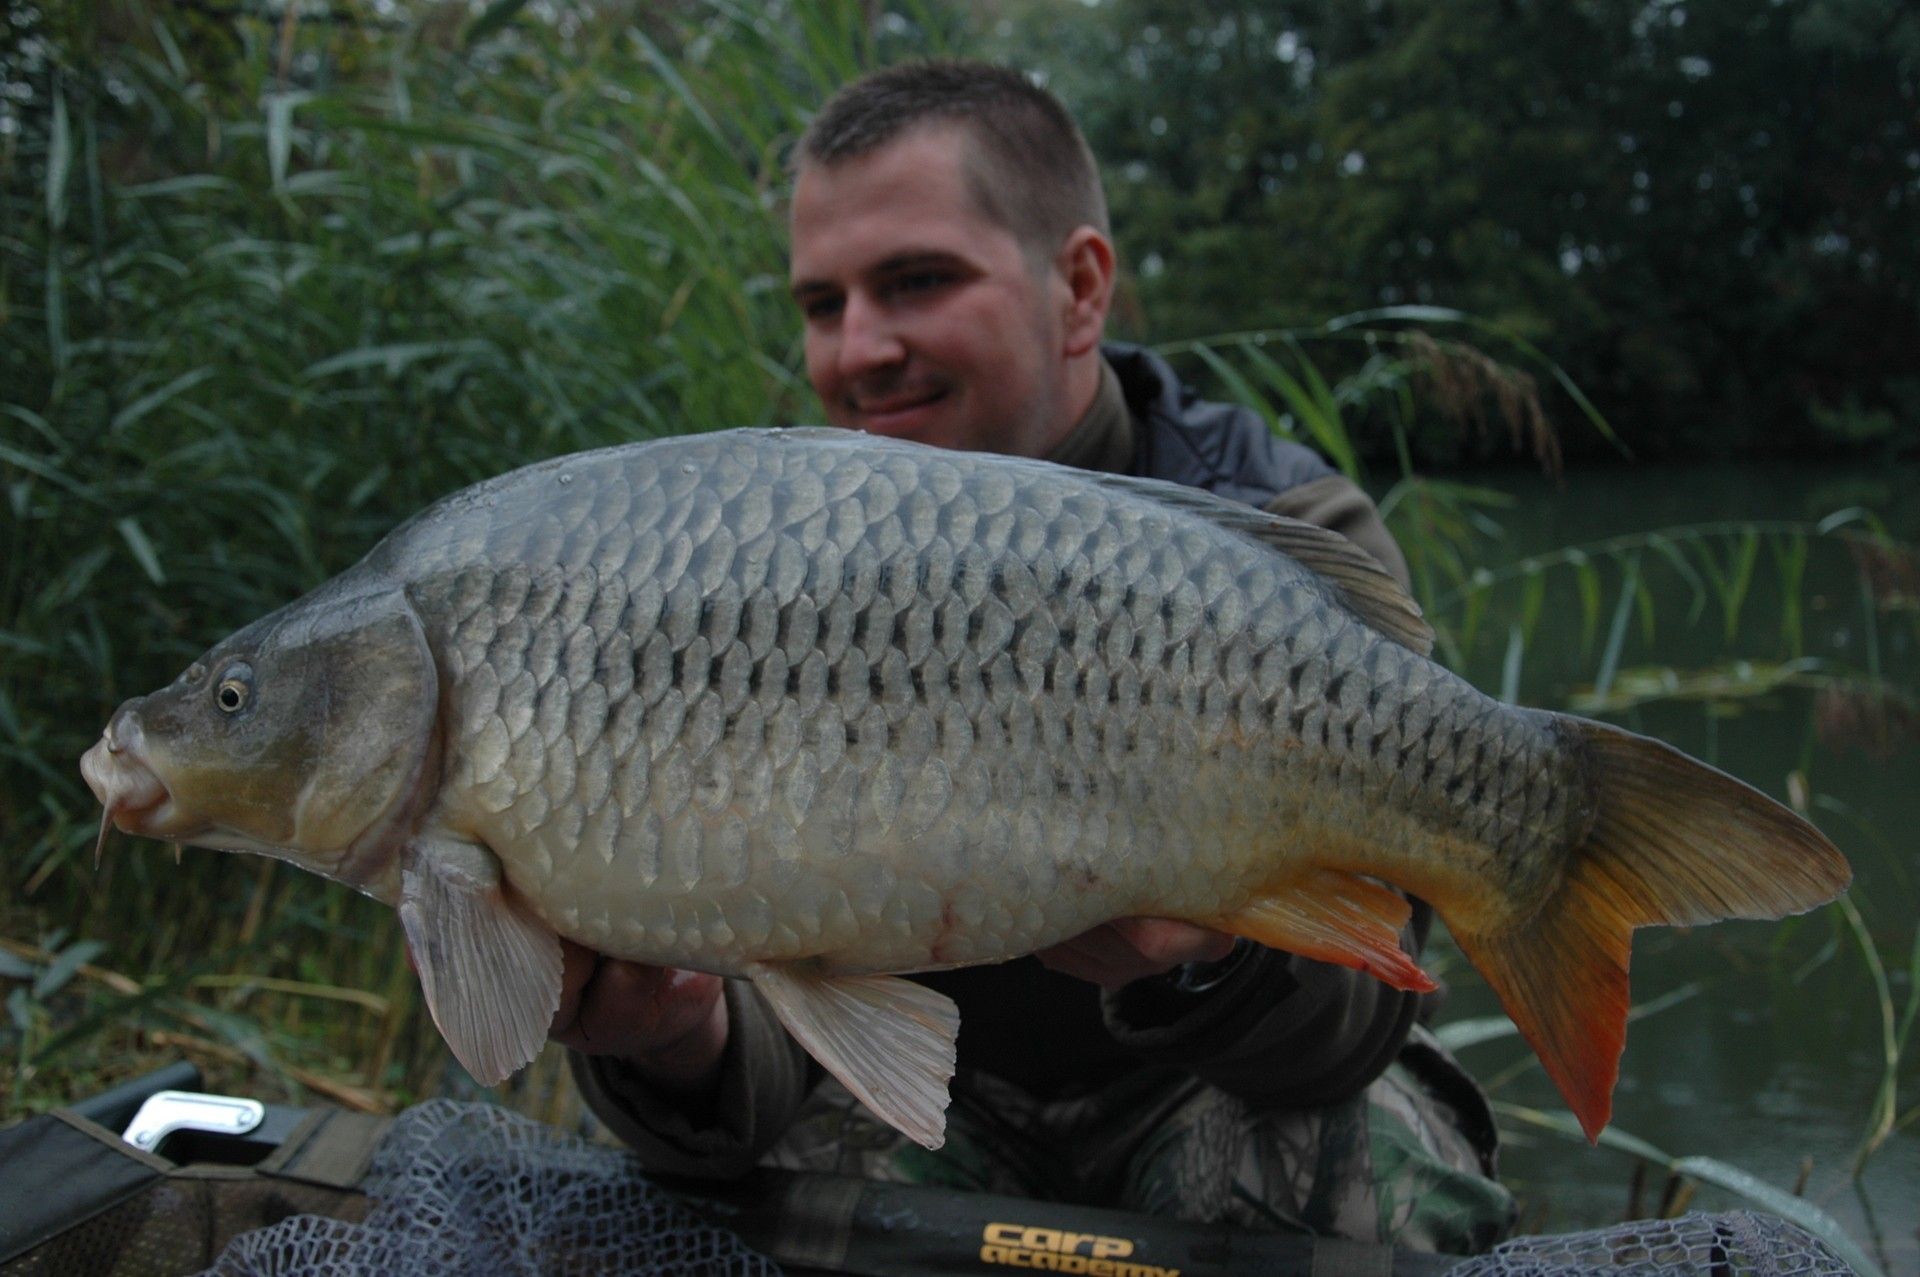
x: 953, y: 269
x: 929, y: 316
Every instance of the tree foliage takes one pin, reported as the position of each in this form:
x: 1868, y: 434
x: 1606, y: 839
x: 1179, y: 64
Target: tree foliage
x: 1708, y: 210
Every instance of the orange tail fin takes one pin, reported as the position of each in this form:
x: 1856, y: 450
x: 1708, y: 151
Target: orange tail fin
x: 1673, y: 841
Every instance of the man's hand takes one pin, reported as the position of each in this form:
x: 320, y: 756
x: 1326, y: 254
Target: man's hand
x: 669, y: 1025
x: 1131, y: 949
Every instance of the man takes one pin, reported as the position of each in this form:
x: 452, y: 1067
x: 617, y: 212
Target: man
x: 951, y: 260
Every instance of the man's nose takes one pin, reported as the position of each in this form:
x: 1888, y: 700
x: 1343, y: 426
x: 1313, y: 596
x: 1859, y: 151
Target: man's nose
x: 868, y: 338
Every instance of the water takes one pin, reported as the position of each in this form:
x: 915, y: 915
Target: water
x: 1774, y: 1065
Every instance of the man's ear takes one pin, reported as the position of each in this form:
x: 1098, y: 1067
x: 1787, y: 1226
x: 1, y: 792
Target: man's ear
x: 1086, y: 263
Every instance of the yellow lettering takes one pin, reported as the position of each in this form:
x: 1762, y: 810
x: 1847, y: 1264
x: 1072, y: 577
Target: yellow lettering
x: 1059, y: 1250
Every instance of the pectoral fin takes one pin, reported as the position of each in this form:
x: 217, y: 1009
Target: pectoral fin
x: 489, y: 968
x: 1333, y: 917
x: 889, y: 1041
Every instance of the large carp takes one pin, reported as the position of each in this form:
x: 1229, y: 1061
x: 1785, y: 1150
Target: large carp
x: 814, y: 709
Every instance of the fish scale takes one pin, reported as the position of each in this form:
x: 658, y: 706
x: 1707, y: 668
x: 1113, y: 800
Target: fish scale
x: 859, y: 632
x: 812, y: 710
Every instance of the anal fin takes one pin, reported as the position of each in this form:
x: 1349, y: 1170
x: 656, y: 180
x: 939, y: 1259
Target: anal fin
x: 1333, y: 917
x: 889, y: 1041
x: 490, y: 969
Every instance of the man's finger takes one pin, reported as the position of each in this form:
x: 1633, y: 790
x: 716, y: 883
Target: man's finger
x: 1132, y: 949
x: 1162, y: 940
x: 577, y: 964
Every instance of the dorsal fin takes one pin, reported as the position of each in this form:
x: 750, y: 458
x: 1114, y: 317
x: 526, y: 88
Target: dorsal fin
x: 1368, y: 589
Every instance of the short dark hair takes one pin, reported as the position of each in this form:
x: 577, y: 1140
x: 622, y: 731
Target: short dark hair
x: 1030, y: 168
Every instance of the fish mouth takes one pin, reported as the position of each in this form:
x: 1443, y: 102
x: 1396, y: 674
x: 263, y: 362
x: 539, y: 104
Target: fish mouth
x: 134, y: 797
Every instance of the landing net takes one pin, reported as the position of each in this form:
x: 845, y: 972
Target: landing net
x: 1734, y: 1244
x: 474, y: 1189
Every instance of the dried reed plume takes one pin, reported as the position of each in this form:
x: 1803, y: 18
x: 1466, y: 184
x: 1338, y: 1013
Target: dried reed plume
x: 1464, y: 382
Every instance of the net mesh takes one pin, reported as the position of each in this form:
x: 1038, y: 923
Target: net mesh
x: 468, y: 1188
x: 473, y: 1189
x: 1735, y: 1244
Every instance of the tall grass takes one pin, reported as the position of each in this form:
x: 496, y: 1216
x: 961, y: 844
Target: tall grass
x: 270, y: 287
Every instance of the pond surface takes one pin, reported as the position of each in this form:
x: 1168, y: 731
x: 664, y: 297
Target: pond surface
x: 1773, y: 1057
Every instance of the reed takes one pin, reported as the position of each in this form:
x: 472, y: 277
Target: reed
x: 268, y: 288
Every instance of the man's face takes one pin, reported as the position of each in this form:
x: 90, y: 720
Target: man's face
x: 924, y: 319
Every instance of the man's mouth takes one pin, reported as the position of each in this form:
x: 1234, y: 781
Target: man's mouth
x: 878, y: 413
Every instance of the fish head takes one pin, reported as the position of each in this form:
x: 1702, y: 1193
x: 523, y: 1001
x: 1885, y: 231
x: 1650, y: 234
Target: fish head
x: 308, y: 736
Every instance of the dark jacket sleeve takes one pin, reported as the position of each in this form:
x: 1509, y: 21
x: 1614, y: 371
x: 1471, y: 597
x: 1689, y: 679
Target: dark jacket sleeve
x: 764, y: 1077
x: 1268, y: 1026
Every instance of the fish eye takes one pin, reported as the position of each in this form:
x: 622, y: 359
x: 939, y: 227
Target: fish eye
x: 235, y: 690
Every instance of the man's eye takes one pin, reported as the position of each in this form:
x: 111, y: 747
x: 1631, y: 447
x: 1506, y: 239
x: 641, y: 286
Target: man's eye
x: 820, y: 307
x: 920, y: 282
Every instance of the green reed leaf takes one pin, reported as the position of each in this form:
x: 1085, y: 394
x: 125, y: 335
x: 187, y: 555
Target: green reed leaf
x: 1533, y: 598
x: 59, y: 157
x: 1886, y: 1095
x: 146, y: 403
x: 1790, y: 554
x: 1798, y: 1210
x: 1617, y: 631
x: 65, y: 965
x: 1712, y: 1171
x: 1311, y: 404
x: 1677, y: 559
x: 1510, y: 664
x: 280, y: 108
x: 1243, y: 391
x: 142, y: 548
x: 1587, y: 578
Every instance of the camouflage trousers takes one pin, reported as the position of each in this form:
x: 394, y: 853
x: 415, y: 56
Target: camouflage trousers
x: 1409, y: 1161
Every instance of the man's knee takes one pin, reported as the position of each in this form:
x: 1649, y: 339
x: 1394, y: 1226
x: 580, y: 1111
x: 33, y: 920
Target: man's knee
x: 1391, y: 1165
